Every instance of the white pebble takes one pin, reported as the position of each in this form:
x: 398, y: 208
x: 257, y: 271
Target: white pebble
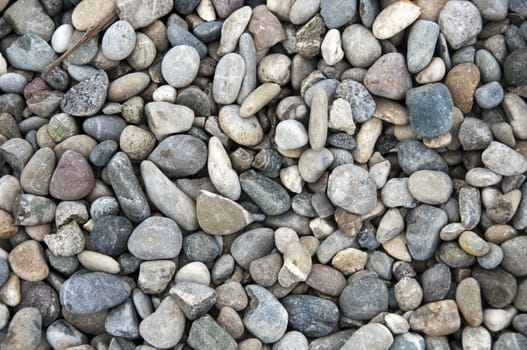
x: 165, y: 93
x: 331, y: 48
x: 194, y: 272
x: 61, y: 38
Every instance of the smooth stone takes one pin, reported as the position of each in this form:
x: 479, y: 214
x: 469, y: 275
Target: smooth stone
x: 391, y: 224
x: 436, y: 282
x: 122, y: 321
x: 37, y: 173
x: 454, y: 256
x: 462, y: 81
x: 118, y: 41
x: 178, y: 35
x: 422, y: 230
x: 360, y: 46
x: 190, y: 157
x: 154, y: 276
x: 266, y: 317
x: 140, y: 14
x: 94, y: 261
x: 370, y: 336
x: 225, y: 8
x: 270, y: 197
x: 409, y: 341
x: 503, y: 160
x: 436, y: 319
x: 331, y: 47
x: 350, y: 260
x: 195, y: 99
x: 313, y: 316
x: 143, y: 54
x: 473, y: 244
x: 394, y: 19
x: 127, y: 86
x: 168, y: 198
x: 474, y: 134
x: 468, y: 299
x: 16, y: 152
x: 430, y: 187
x: 515, y: 109
x: 84, y: 17
x: 489, y: 67
x: 265, y: 28
x: 469, y: 207
x: 297, y: 265
x: 510, y: 340
x: 200, y: 246
x: 228, y: 78
x: 196, y: 272
x: 291, y: 339
x: 24, y: 330
x: 62, y: 334
x: 73, y: 177
x: 12, y: 82
x: 274, y: 68
x: 85, y: 53
x: 352, y: 301
x: 514, y: 256
x: 110, y: 234
x: 388, y: 77
x: 326, y: 279
x: 336, y: 13
x: 180, y: 66
x: 422, y: 40
x: 395, y: 193
x: 166, y: 118
x: 492, y: 259
x: 208, y: 31
x: 44, y: 103
x: 352, y: 188
x: 194, y: 299
x: 77, y: 294
x: 492, y: 10
x: 408, y: 293
x: 87, y: 97
x: 460, y: 22
x: 62, y: 126
x: 248, y: 53
x: 252, y: 245
x: 258, y: 99
x: 427, y: 117
x: 30, y: 52
x: 498, y: 287
x: 157, y: 331
x: 243, y: 131
x: 28, y: 262
x: 318, y: 120
x: 513, y: 67
x: 361, y: 102
x: 30, y: 210
x: 433, y: 73
x: 104, y: 127
x: 155, y: 238
x: 489, y: 95
x: 29, y: 16
x: 205, y: 333
x: 127, y: 188
x: 208, y: 203
x: 219, y: 165
x: 265, y: 270
x: 233, y: 27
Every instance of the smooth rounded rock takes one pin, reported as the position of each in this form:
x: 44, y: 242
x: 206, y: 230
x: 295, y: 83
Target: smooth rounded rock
x: 155, y: 238
x: 180, y: 66
x: 351, y: 187
x: 118, y: 41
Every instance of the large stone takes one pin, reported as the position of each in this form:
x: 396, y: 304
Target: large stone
x: 87, y: 97
x: 422, y: 231
x: 164, y: 328
x: 351, y: 188
x: 30, y: 52
x: 436, y: 319
x: 155, y: 238
x: 141, y: 13
x: 73, y: 178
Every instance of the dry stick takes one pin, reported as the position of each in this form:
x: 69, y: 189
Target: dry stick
x: 91, y: 33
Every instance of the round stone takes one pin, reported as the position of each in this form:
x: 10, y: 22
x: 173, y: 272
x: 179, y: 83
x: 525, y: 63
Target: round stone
x: 313, y: 316
x: 431, y: 187
x: 156, y: 238
x: 180, y: 66
x: 460, y: 23
x: 73, y: 178
x: 28, y: 262
x: 489, y: 95
x: 353, y: 302
x: 515, y: 256
x: 110, y: 233
x: 118, y: 41
x: 351, y: 188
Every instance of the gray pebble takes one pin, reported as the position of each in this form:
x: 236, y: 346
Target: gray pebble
x: 87, y: 97
x: 122, y: 321
x: 353, y: 301
x: 252, y: 245
x: 103, y: 152
x: 205, y: 333
x: 313, y: 316
x: 489, y: 95
x: 270, y: 196
x: 104, y: 127
x: 361, y: 101
x: 156, y: 238
x: 422, y: 231
x: 30, y: 52
x: 178, y: 35
x: 421, y: 44
x: 118, y: 41
x: 200, y: 246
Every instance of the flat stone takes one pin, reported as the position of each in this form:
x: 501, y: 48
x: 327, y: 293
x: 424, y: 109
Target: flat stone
x: 427, y: 117
x: 89, y: 13
x: 252, y: 245
x: 430, y: 187
x: 29, y: 16
x: 165, y: 118
x: 270, y: 197
x: 205, y: 333
x: 30, y: 52
x: 243, y: 131
x: 394, y: 19
x: 266, y: 318
x: 194, y: 299
x: 436, y: 319
x: 233, y: 27
x: 155, y: 238
x: 36, y: 176
x: 154, y: 276
x: 336, y: 13
x: 498, y: 287
x: 177, y: 35
x: 313, y: 316
x: 272, y: 34
x: 353, y: 302
x: 24, y: 330
x: 180, y: 65
x: 28, y: 262
x: 127, y: 86
x: 87, y: 97
x: 228, y: 78
x: 127, y: 188
x: 468, y: 298
x: 30, y: 210
x: 208, y: 31
x: 351, y: 188
x: 503, y: 160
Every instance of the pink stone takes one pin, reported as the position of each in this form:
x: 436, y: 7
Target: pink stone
x: 73, y: 178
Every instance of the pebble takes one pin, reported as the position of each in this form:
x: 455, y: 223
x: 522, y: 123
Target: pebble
x: 373, y: 335
x: 303, y: 10
x: 36, y: 175
x: 336, y: 13
x: 196, y: 272
x: 90, y: 12
x: 24, y: 330
x: 265, y: 28
x: 73, y: 178
x: 361, y: 102
x: 155, y: 238
x: 394, y: 19
x: 489, y: 95
x: 110, y: 234
x: 140, y: 14
x: 156, y: 331
x: 503, y: 160
x: 460, y: 23
x: 462, y: 81
x: 177, y: 35
x: 87, y: 97
x: 228, y: 78
x: 422, y: 40
x: 357, y: 308
x: 331, y: 47
x: 352, y: 188
x: 468, y: 298
x: 29, y: 16
x: 154, y: 276
x: 226, y: 8
x: 180, y: 155
x: 388, y: 77
x: 28, y: 262
x: 266, y: 317
x: 513, y: 256
x: 194, y: 299
x: 180, y: 66
x: 205, y: 333
x: 422, y: 230
x: 274, y: 68
x: 313, y: 316
x: 12, y: 82
x: 30, y: 210
x: 427, y: 117
x: 513, y: 71
x: 127, y: 86
x: 243, y: 131
x: 498, y: 287
x: 514, y: 107
x: 118, y: 41
x: 430, y: 187
x: 233, y: 27
x: 22, y: 53
x: 436, y: 319
x: 222, y: 175
x: 258, y: 99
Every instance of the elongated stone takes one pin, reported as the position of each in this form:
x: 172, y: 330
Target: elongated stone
x: 127, y: 188
x: 270, y: 196
x: 228, y: 78
x: 232, y: 29
x: 318, y: 120
x: 421, y: 44
x: 223, y: 177
x: 258, y: 99
x: 394, y: 19
x: 36, y: 176
x: 248, y: 53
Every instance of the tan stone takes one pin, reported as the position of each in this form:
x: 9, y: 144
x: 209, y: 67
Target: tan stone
x: 28, y: 262
x: 462, y: 81
x: 7, y: 226
x: 390, y: 111
x: 436, y: 319
x: 468, y: 298
x: 350, y: 260
x: 89, y: 13
x: 395, y: 18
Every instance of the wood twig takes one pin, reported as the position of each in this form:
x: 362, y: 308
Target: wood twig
x: 90, y: 34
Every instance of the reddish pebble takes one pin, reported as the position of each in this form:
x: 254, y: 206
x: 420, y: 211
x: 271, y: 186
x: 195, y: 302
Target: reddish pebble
x: 37, y: 84
x: 73, y: 178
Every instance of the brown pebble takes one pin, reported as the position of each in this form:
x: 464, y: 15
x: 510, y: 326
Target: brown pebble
x: 73, y: 178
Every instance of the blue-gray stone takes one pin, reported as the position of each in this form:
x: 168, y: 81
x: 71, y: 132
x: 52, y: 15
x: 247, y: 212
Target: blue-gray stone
x: 66, y: 265
x: 336, y: 13
x: 328, y: 85
x: 265, y: 317
x: 313, y: 316
x: 110, y: 234
x: 364, y: 297
x: 267, y: 194
x: 436, y: 282
x: 156, y: 238
x: 515, y: 67
x: 519, y: 323
x: 368, y: 11
x: 180, y: 155
x: 519, y: 7
x: 122, y: 321
x: 422, y: 41
x: 88, y: 293
x: 489, y: 67
x: 200, y: 246
x: 127, y: 188
x: 13, y: 104
x: 422, y: 231
x: 178, y: 35
x: 474, y: 134
x: 4, y: 271
x: 208, y: 31
x: 489, y: 95
x: 103, y: 152
x: 342, y: 140
x: 207, y: 334
x: 57, y: 78
x: 414, y: 156
x: 30, y: 52
x: 514, y: 38
x: 361, y: 101
x: 185, y: 7
x: 408, y: 341
x: 366, y: 237
x: 87, y: 97
x: 252, y: 245
x: 510, y: 341
x: 493, y: 258
x: 430, y: 110
x: 104, y: 127
x: 102, y: 206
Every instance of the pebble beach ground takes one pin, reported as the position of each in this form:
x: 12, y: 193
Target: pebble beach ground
x: 278, y: 175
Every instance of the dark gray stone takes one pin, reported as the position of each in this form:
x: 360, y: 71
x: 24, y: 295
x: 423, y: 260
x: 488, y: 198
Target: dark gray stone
x: 469, y: 206
x: 519, y: 323
x: 87, y: 97
x: 129, y: 264
x: 56, y: 78
x: 489, y: 95
x: 207, y: 334
x: 493, y: 258
x: 451, y: 254
x: 422, y: 230
x: 122, y: 321
x: 41, y: 296
x: 13, y: 104
x: 110, y: 234
x: 195, y: 99
x: 414, y: 156
x: 268, y: 161
x: 408, y: 341
x: 185, y: 7
x: 364, y: 297
x: 104, y: 127
x: 313, y: 316
x: 380, y: 263
x: 361, y: 101
x: 342, y: 140
x: 88, y: 293
x: 430, y: 110
x: 66, y: 265
x: 127, y: 188
x: 436, y: 282
x: 208, y: 31
x: 489, y: 67
x: 30, y: 52
x: 4, y: 271
x: 103, y: 152
x: 268, y: 195
x: 515, y: 256
x: 200, y: 246
x: 368, y: 11
x: 422, y: 40
x: 180, y: 155
x: 498, y: 287
x: 474, y: 134
x: 178, y: 35
x: 520, y: 218
x: 336, y: 13
x: 252, y: 245
x: 515, y: 67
